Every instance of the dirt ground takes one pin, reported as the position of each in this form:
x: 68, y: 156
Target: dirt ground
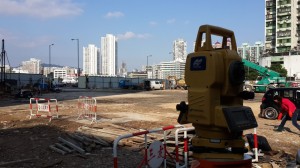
x: 25, y: 142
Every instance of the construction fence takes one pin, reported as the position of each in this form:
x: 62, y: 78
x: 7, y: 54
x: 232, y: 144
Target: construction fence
x: 48, y: 108
x: 21, y: 80
x: 43, y: 107
x: 100, y: 82
x: 87, y: 108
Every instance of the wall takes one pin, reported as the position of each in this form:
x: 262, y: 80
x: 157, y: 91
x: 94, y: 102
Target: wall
x: 24, y: 79
x: 99, y: 82
x: 291, y: 64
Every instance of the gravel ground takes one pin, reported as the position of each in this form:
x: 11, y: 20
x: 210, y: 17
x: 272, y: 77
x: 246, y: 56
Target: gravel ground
x: 25, y: 142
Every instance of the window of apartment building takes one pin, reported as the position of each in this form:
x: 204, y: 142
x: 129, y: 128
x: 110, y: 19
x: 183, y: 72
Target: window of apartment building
x: 284, y: 2
x: 284, y: 25
x: 283, y: 41
x: 283, y: 18
x: 281, y: 50
x: 269, y: 3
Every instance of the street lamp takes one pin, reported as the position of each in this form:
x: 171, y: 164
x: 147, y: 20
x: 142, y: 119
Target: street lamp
x: 50, y: 64
x: 78, y: 70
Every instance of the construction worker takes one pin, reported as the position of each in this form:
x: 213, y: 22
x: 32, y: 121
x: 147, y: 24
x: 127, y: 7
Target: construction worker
x: 288, y: 109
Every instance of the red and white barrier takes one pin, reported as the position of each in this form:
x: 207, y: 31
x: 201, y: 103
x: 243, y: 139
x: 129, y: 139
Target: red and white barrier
x: 255, y: 146
x: 87, y: 108
x: 159, y: 151
x: 186, y: 143
x: 155, y: 154
x: 43, y: 105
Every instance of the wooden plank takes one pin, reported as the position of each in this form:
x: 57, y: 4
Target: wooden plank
x: 106, y: 137
x: 109, y: 134
x: 118, y: 130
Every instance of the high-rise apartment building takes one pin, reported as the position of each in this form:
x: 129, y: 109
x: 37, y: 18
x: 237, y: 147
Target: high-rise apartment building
x: 179, y: 49
x: 164, y: 70
x: 91, y: 60
x: 282, y: 32
x: 109, y: 55
x: 282, y: 26
x: 123, y: 70
x: 33, y: 66
x: 251, y: 53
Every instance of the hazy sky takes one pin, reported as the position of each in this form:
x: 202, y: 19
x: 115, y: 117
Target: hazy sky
x: 142, y: 27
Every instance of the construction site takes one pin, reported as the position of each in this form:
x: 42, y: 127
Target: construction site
x: 26, y: 142
x: 191, y: 123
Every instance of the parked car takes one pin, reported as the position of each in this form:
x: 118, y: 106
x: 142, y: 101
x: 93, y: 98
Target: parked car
x: 24, y: 93
x: 269, y: 109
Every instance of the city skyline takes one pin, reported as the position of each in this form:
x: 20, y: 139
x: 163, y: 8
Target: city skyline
x: 29, y: 27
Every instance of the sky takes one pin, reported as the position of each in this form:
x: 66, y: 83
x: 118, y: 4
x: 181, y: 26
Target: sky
x: 142, y: 27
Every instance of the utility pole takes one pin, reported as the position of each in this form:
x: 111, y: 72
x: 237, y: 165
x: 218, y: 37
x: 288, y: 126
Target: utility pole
x: 2, y: 68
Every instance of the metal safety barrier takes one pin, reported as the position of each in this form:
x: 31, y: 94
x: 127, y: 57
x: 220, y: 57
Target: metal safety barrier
x: 43, y: 105
x: 185, y: 144
x: 158, y: 150
x: 155, y: 154
x: 255, y: 146
x: 87, y: 108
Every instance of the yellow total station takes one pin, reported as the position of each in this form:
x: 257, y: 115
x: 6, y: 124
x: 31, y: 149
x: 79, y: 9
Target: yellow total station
x: 214, y: 76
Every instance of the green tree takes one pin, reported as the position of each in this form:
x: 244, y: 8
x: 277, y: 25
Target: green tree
x: 278, y: 68
x: 250, y: 74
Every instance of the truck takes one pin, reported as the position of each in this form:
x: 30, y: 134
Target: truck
x: 128, y: 84
x: 153, y: 85
x: 267, y: 79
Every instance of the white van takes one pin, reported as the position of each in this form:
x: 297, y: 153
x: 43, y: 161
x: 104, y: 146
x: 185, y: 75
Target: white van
x: 153, y: 85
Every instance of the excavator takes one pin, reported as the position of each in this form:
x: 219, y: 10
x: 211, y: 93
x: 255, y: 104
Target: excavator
x: 267, y: 79
x: 215, y: 78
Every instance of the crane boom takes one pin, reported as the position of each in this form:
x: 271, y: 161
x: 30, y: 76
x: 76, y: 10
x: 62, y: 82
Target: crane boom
x: 261, y: 70
x: 269, y: 78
